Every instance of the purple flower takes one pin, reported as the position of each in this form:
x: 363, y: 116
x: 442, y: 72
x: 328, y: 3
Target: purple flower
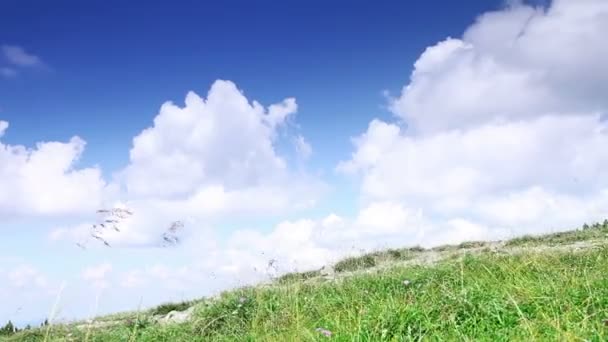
x: 325, y: 332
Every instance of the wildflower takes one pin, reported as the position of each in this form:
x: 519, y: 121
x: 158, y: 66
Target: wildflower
x: 242, y: 300
x: 323, y: 331
x: 406, y: 282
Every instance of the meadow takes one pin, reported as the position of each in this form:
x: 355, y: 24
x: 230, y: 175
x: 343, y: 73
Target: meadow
x: 551, y: 287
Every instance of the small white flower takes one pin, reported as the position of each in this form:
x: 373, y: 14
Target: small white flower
x: 324, y: 331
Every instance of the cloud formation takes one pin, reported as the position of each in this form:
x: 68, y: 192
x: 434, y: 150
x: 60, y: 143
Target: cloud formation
x: 44, y: 180
x: 515, y: 64
x: 17, y: 55
x: 503, y: 128
x: 212, y: 159
x: 303, y: 148
x: 97, y: 275
x: 223, y: 139
x: 26, y: 276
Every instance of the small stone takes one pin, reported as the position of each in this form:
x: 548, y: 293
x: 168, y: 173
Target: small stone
x: 177, y: 316
x: 327, y: 271
x: 323, y: 331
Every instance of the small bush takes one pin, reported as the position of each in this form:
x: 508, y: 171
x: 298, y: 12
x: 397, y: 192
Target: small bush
x: 355, y: 263
x: 443, y: 248
x: 522, y: 240
x: 416, y: 249
x: 298, y: 276
x: 8, y: 329
x: 472, y: 244
x: 396, y: 253
x: 164, y: 309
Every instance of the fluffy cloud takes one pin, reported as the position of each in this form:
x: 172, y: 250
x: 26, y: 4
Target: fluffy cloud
x: 3, y: 127
x: 45, y: 181
x: 183, y: 278
x: 212, y: 159
x: 502, y: 130
x: 27, y: 276
x: 25, y: 291
x: 18, y: 56
x: 560, y: 153
x: 222, y: 139
x: 517, y: 63
x: 293, y: 244
x: 132, y: 279
x: 250, y: 255
x: 97, y: 275
x: 303, y: 148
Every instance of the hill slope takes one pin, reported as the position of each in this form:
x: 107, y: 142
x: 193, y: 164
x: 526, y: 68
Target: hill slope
x: 551, y: 287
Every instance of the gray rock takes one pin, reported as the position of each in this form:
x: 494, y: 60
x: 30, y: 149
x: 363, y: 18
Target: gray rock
x: 327, y: 271
x: 176, y: 317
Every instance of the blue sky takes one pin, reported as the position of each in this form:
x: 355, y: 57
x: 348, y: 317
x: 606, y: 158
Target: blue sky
x: 378, y: 124
x: 112, y: 62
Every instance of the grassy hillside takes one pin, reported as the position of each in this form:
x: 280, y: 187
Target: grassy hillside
x: 552, y: 287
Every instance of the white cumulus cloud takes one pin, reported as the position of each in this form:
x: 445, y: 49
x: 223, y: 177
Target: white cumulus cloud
x: 223, y: 139
x: 214, y: 158
x: 517, y: 63
x: 45, y: 181
x: 502, y: 130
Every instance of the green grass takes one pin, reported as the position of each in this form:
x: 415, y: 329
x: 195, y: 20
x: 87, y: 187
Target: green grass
x: 297, y: 276
x: 373, y: 259
x: 464, y: 245
x: 548, y: 295
x: 587, y: 232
